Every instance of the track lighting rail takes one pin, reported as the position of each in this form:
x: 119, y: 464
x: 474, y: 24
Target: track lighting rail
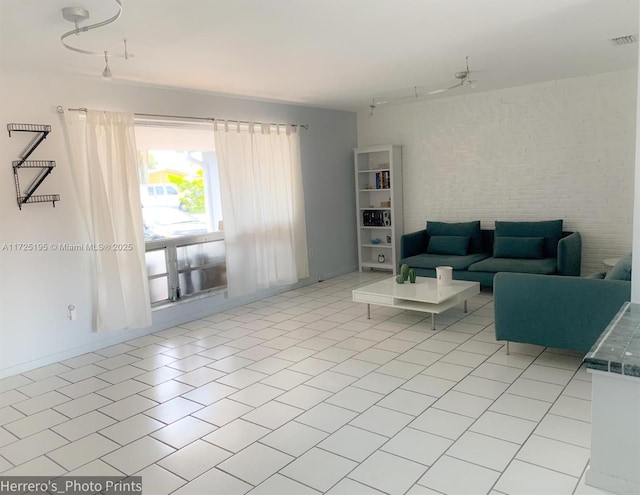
x: 77, y: 15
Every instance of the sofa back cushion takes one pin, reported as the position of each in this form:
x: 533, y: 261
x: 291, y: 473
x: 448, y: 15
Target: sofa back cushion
x: 470, y: 229
x: 621, y: 270
x: 448, y: 244
x: 551, y: 230
x: 519, y: 247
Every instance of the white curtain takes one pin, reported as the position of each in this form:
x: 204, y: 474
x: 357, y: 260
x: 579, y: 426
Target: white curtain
x: 262, y: 205
x: 103, y: 159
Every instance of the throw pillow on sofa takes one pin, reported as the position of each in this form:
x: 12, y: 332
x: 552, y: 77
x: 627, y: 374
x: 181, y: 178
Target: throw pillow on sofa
x: 551, y: 230
x: 448, y: 244
x: 470, y: 229
x: 621, y: 270
x: 519, y: 247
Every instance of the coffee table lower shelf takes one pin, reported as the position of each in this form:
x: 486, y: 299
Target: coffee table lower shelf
x: 424, y: 296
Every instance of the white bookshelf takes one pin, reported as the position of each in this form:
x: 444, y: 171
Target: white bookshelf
x: 378, y: 174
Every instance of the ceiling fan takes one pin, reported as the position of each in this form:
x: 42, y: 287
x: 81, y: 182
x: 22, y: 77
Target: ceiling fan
x: 464, y: 80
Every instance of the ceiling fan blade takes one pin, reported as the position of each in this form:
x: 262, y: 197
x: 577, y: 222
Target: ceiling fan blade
x: 443, y: 90
x: 375, y: 104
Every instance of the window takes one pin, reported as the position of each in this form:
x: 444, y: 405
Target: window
x: 181, y: 209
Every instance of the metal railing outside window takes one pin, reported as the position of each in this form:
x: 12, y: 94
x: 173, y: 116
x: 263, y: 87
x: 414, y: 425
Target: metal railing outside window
x: 185, y: 266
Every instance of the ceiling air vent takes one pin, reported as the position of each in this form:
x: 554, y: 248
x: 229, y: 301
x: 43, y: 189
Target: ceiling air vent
x: 625, y: 40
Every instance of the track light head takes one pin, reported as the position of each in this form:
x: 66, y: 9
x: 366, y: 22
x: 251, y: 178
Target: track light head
x: 106, y: 73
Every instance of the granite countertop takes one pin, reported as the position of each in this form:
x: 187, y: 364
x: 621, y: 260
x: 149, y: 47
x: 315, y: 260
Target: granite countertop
x: 617, y: 350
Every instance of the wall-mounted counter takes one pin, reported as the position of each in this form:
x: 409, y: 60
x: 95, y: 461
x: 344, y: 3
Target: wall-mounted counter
x: 614, y: 362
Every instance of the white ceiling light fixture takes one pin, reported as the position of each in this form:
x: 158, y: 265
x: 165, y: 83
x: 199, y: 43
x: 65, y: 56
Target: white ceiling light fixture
x: 464, y: 77
x: 77, y: 15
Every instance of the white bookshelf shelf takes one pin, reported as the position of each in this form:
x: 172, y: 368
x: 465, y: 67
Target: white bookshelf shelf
x: 379, y: 266
x: 378, y: 174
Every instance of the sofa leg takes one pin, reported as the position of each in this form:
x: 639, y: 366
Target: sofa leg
x: 465, y: 306
x: 507, y: 347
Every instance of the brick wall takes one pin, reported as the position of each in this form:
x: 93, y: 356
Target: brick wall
x: 559, y: 149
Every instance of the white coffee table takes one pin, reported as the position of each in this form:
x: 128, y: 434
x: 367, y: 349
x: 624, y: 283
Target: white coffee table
x: 425, y: 295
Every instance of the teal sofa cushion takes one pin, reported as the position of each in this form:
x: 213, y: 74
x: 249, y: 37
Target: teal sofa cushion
x: 471, y: 229
x: 519, y: 247
x: 546, y: 266
x: 433, y: 260
x: 621, y: 270
x: 551, y: 230
x: 597, y: 276
x: 448, y: 244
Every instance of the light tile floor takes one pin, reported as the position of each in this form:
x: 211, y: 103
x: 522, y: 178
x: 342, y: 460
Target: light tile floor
x: 299, y: 394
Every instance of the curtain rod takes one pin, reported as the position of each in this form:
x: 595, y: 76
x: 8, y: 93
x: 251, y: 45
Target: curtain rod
x: 60, y: 109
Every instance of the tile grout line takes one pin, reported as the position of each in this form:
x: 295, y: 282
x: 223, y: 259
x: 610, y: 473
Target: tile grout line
x: 531, y: 434
x: 355, y: 317
x: 468, y: 429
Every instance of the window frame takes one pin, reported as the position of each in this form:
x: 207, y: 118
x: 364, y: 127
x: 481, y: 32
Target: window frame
x: 171, y: 245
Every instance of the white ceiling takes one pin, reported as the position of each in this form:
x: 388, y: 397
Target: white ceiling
x: 327, y: 53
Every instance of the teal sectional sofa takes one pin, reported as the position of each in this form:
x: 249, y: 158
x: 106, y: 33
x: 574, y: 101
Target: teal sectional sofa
x: 561, y: 312
x: 478, y: 254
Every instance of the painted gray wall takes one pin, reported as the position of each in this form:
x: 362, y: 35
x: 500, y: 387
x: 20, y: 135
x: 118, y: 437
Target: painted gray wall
x: 37, y: 286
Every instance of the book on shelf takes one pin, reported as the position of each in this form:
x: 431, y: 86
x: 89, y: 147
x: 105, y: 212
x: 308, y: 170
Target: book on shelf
x: 376, y: 218
x: 383, y: 180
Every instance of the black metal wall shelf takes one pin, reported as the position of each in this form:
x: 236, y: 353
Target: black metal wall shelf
x: 45, y: 166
